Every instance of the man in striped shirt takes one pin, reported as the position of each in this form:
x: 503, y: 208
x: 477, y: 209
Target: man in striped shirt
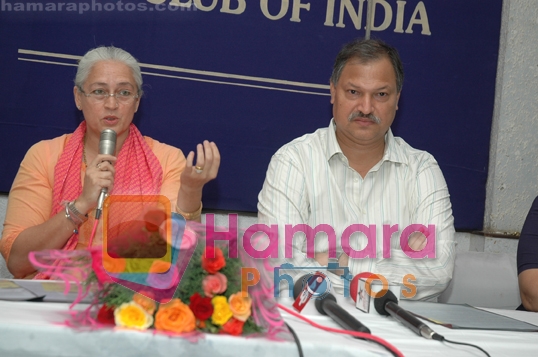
x: 377, y: 204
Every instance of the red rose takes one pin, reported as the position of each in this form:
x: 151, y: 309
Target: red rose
x: 233, y: 327
x: 106, y: 315
x: 201, y: 307
x: 213, y: 260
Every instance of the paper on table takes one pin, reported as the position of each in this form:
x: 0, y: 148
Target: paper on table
x: 457, y: 316
x: 13, y: 292
x: 47, y: 290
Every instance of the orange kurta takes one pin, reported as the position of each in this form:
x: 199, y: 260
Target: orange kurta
x: 30, y: 198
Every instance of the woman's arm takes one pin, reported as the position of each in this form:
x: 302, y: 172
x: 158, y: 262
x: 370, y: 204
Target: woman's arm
x: 182, y: 184
x: 28, y: 225
x: 195, y: 176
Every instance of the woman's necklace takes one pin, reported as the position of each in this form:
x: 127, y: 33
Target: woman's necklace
x: 84, y: 151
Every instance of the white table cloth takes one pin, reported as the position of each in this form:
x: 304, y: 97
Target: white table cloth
x: 35, y: 329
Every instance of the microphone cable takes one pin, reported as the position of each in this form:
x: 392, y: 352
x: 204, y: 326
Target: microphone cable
x: 364, y: 336
x: 409, y: 320
x: 95, y: 224
x: 441, y: 338
x: 296, y: 339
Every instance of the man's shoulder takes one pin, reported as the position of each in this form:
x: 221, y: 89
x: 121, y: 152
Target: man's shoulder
x: 412, y: 155
x: 314, y: 142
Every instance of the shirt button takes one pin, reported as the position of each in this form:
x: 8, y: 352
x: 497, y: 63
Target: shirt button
x: 356, y: 179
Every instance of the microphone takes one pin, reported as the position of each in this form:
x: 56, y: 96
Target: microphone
x: 107, y: 145
x: 354, y: 285
x: 388, y: 305
x: 329, y: 307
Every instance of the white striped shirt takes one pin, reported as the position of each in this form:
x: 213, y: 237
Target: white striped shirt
x: 309, y: 181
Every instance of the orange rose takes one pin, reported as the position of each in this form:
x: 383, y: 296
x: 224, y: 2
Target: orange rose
x: 147, y: 303
x: 175, y: 317
x: 240, y: 305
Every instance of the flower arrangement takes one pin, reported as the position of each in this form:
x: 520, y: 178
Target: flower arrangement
x: 196, y: 290
x: 208, y: 299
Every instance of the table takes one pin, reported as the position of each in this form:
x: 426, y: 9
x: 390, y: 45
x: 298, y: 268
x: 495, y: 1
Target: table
x: 35, y: 329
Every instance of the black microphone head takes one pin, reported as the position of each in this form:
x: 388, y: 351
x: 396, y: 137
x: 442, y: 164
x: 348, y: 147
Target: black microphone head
x: 319, y: 302
x: 107, y: 144
x: 314, y: 280
x: 299, y: 285
x: 379, y: 303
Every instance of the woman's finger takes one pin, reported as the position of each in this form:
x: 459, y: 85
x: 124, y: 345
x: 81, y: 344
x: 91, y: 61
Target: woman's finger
x: 200, y: 158
x: 208, y: 151
x: 216, y: 160
x: 190, y: 158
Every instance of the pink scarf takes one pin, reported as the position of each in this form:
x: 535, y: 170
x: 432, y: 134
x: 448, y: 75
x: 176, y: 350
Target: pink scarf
x: 138, y: 172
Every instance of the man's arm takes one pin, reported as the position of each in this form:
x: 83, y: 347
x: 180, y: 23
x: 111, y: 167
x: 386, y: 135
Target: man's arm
x: 528, y: 289
x: 284, y: 200
x: 527, y: 259
x: 431, y: 206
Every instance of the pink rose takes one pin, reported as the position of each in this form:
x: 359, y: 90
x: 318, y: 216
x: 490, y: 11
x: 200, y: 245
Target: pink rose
x: 214, y: 284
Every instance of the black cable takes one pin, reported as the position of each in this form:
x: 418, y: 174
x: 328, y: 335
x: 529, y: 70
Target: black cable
x: 438, y: 337
x: 293, y: 313
x: 297, y: 341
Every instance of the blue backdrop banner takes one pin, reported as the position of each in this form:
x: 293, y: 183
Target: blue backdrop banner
x: 252, y: 75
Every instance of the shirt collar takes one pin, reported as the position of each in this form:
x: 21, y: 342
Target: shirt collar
x: 392, y: 148
x: 333, y: 148
x: 393, y: 152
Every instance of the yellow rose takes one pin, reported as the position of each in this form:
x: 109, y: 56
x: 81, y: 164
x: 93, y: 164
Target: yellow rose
x: 221, y: 312
x: 132, y: 315
x: 240, y: 304
x: 175, y: 316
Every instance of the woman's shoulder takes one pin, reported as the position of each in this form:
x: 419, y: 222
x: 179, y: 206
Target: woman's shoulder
x: 49, y: 149
x: 164, y: 152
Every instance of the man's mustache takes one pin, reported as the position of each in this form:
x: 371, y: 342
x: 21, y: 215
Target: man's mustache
x: 370, y: 117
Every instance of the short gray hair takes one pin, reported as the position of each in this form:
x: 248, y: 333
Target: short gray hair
x: 109, y: 53
x: 366, y: 51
